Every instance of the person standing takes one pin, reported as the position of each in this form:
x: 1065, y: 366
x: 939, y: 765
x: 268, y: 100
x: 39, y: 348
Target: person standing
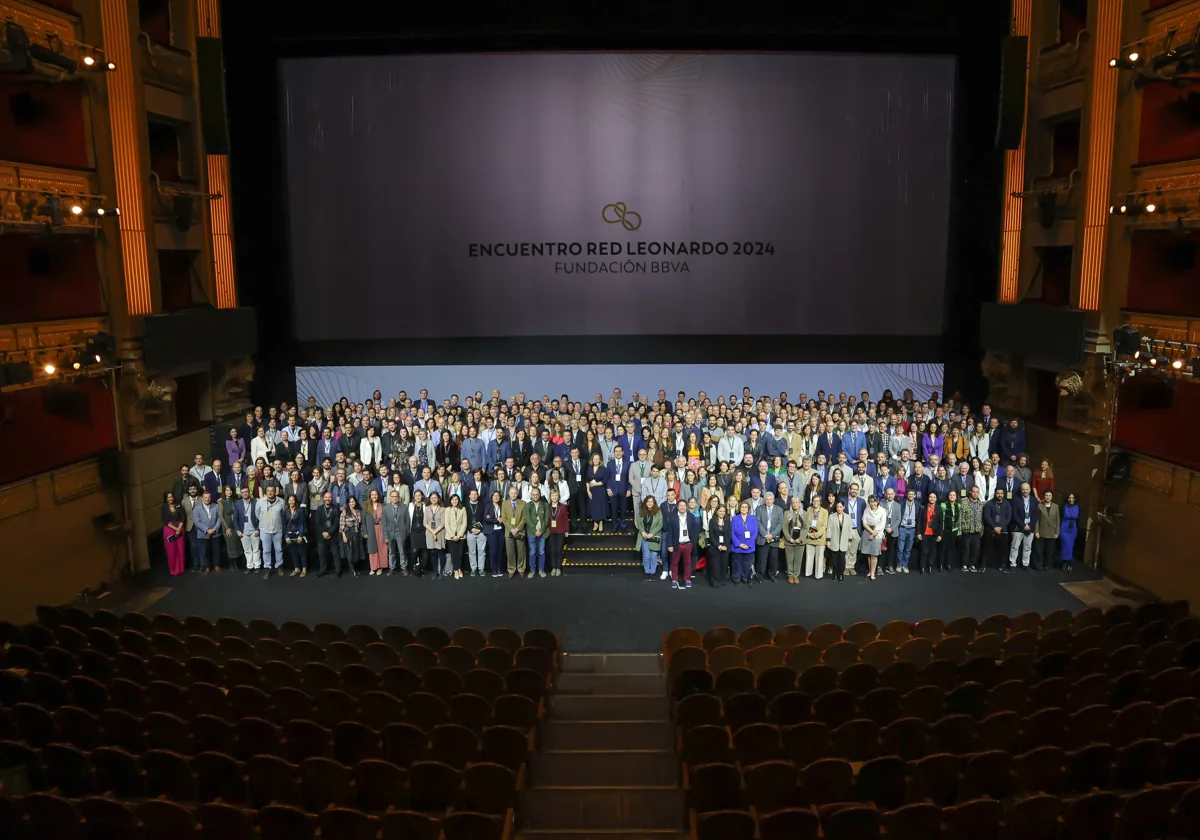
x: 618, y: 489
x: 997, y: 514
x: 1046, y: 535
x: 815, y: 538
x: 493, y: 529
x: 837, y: 539
x: 874, y: 526
x: 947, y: 530
x: 513, y: 518
x: 327, y: 525
x: 649, y: 539
x: 575, y: 471
x: 794, y: 529
x: 557, y: 537
x: 295, y: 531
x: 174, y: 520
x: 681, y: 530
x: 245, y: 526
x: 268, y: 512
x: 770, y: 527
x: 476, y: 533
x: 1069, y: 531
x: 1023, y: 526
x: 596, y: 486
x: 906, y: 535
x: 456, y: 535
x: 190, y: 502
x: 926, y: 536
x: 351, y: 528
x: 971, y: 530
x: 745, y: 530
x: 207, y: 521
x: 537, y: 521
x: 395, y: 532
x: 639, y: 472
x: 720, y: 538
x: 233, y: 545
x: 435, y: 536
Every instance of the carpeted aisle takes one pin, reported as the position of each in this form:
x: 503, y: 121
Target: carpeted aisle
x: 609, y: 612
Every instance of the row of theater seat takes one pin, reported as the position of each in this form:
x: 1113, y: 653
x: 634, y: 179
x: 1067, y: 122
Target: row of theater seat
x: 325, y: 634
x: 370, y: 784
x: 74, y: 650
x: 930, y: 703
x: 101, y: 818
x: 897, y: 632
x: 912, y: 738
x: 1171, y: 811
x: 943, y: 779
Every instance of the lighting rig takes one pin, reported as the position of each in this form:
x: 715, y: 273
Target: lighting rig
x: 86, y: 355
x: 179, y: 201
x: 49, y: 57
x: 26, y: 208
x: 1170, y: 56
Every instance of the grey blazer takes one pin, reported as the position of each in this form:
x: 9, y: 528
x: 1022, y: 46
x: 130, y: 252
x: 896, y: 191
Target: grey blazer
x: 776, y: 528
x: 396, y: 524
x: 894, y: 512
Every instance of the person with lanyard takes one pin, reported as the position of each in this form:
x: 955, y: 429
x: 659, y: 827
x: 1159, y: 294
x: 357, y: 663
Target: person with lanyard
x: 948, y: 529
x: 997, y: 515
x: 1023, y: 526
x: 745, y: 533
x: 557, y: 537
x: 682, y: 530
x: 837, y: 540
x: 770, y: 528
x: 493, y: 529
x: 720, y: 537
x: 927, y: 536
x: 794, y: 529
x: 476, y: 534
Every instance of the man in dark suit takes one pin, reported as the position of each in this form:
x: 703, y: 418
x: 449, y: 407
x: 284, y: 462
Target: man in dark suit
x: 215, y: 481
x: 855, y: 508
x: 618, y: 488
x: 327, y: 523
x: 573, y: 473
x: 179, y: 487
x: 997, y: 514
x: 829, y: 444
x: 770, y: 530
x: 327, y: 447
x: 544, y: 447
x: 681, y: 530
x: 963, y: 480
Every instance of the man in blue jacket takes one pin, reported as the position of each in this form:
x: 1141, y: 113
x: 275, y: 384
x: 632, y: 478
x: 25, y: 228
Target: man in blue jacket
x: 681, y: 530
x: 1022, y: 526
x: 208, y: 529
x: 1012, y: 442
x: 618, y: 488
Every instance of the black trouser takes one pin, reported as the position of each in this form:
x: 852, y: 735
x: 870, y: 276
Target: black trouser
x: 1044, y: 552
x: 554, y: 550
x: 995, y: 549
x: 766, y: 560
x: 971, y: 544
x: 578, y: 505
x: 716, y: 566
x: 948, y: 551
x: 326, y: 550
x: 887, y: 554
x: 925, y: 552
x: 837, y: 563
x: 458, y: 552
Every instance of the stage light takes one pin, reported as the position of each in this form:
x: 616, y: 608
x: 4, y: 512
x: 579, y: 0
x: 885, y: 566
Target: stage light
x: 48, y: 56
x: 1177, y: 364
x: 1112, y: 62
x: 1150, y: 208
x: 1134, y: 56
x: 76, y: 365
x: 1123, y: 209
x: 88, y: 61
x: 110, y: 66
x: 101, y: 212
x: 49, y: 368
x: 76, y: 209
x: 1160, y: 361
x: 1127, y: 340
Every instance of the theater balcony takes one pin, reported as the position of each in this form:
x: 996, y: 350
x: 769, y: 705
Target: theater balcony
x: 165, y: 44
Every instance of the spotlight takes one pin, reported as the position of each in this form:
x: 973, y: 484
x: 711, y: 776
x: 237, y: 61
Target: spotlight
x: 1112, y: 62
x: 1150, y: 208
x: 88, y: 61
x: 101, y: 212
x: 1134, y: 56
x: 1177, y: 364
x: 1127, y: 340
x: 48, y: 56
x: 110, y: 66
x: 100, y: 346
x: 76, y: 209
x: 1160, y: 361
x: 76, y: 365
x: 1123, y: 209
x: 49, y: 368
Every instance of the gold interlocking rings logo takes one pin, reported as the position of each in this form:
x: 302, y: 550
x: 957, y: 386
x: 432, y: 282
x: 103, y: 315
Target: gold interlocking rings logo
x: 618, y: 214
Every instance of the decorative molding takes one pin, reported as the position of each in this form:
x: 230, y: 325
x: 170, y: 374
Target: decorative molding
x: 166, y: 67
x: 1165, y: 327
x: 40, y: 22
x: 1063, y: 63
x: 1182, y: 16
x: 1179, y: 175
x: 46, y: 334
x: 75, y: 481
x: 70, y: 184
x: 1152, y: 475
x: 19, y: 498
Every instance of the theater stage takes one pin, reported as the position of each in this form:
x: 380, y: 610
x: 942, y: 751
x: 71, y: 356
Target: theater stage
x: 609, y: 611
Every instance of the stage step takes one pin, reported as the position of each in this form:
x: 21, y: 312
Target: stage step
x: 609, y: 683
x: 609, y: 735
x: 606, y: 767
x: 612, y: 663
x: 604, y: 807
x: 610, y: 707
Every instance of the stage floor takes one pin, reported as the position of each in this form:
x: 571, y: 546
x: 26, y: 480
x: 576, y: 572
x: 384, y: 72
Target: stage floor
x: 600, y: 611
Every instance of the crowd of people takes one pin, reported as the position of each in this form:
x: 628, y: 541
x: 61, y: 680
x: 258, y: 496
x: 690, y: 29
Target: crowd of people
x: 746, y: 489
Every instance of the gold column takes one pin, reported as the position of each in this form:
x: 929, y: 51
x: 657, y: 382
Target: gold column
x: 1102, y: 113
x: 208, y: 14
x: 1014, y: 177
x: 126, y: 143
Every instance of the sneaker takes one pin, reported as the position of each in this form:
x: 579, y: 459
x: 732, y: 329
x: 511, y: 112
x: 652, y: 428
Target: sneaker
x: 266, y: 574
x: 542, y: 573
x: 674, y: 584
x: 664, y: 575
x: 964, y: 568
x: 687, y: 585
x: 904, y: 569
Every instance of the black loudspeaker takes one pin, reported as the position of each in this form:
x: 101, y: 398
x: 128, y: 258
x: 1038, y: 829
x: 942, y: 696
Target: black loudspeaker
x: 213, y: 119
x: 1014, y: 56
x: 65, y: 402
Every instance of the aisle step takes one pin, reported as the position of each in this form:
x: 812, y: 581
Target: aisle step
x: 574, y: 768
x: 612, y: 663
x: 609, y: 707
x: 609, y: 735
x: 609, y: 683
x: 604, y: 807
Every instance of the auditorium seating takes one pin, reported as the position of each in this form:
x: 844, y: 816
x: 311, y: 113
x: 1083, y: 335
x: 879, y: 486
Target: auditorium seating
x: 257, y: 730
x: 1062, y: 726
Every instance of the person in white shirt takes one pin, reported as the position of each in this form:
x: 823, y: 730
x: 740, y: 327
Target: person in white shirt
x: 199, y: 469
x: 269, y: 512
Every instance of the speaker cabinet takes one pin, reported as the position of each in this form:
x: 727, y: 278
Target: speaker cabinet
x: 1014, y: 56
x: 213, y: 119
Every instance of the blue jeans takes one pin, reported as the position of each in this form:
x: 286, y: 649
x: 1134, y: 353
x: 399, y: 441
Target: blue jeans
x: 537, y: 554
x: 204, y: 553
x: 904, y: 544
x: 650, y: 557
x: 272, y: 545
